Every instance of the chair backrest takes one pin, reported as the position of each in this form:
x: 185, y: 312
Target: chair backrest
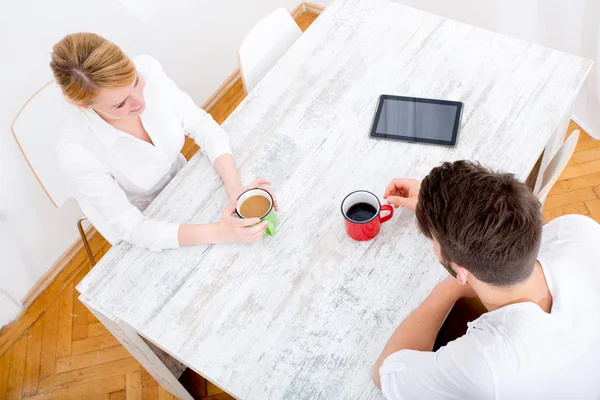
x: 36, y: 129
x: 265, y: 44
x: 557, y: 165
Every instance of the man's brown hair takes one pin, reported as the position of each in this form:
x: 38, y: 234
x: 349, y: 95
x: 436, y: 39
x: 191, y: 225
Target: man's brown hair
x: 489, y: 223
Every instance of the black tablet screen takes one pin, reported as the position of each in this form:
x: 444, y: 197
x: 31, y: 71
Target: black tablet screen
x: 415, y: 119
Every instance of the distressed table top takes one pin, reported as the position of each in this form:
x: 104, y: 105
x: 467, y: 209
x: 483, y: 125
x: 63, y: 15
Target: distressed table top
x: 304, y: 315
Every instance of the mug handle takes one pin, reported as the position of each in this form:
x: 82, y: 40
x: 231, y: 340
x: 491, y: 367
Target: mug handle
x: 390, y: 209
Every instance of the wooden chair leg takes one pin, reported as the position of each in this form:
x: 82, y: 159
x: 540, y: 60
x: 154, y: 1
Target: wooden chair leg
x: 86, y: 244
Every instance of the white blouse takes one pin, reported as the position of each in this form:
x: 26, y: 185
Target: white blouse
x: 120, y: 174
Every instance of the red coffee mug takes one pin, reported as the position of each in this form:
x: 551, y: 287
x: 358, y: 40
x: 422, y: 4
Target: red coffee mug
x: 364, y: 220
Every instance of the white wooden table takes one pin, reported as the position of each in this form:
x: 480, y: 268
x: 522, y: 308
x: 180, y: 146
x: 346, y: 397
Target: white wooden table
x: 304, y: 315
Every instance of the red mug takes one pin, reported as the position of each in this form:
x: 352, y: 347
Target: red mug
x: 362, y: 212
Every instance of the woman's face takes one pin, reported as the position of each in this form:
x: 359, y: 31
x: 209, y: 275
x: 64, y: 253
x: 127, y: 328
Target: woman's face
x: 120, y: 103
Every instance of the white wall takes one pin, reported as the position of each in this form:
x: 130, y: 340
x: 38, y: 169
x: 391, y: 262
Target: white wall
x: 571, y: 26
x: 196, y: 42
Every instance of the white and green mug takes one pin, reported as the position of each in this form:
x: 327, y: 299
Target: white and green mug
x: 258, y: 203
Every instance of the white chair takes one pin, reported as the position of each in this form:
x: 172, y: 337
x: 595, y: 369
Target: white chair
x: 557, y: 165
x: 37, y: 128
x: 265, y: 44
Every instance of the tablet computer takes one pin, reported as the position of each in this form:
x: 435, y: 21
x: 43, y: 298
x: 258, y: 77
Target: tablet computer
x: 413, y: 119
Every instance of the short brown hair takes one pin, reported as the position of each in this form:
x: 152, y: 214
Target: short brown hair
x: 489, y: 223
x: 82, y: 63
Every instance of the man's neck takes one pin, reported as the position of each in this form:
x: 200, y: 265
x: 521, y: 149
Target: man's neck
x: 533, y: 290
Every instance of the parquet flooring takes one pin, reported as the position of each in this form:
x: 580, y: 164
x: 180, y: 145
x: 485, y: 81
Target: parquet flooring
x: 58, y: 350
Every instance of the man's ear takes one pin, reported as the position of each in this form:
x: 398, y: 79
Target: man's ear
x: 461, y: 274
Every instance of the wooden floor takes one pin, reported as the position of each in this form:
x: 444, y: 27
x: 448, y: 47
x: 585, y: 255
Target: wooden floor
x: 58, y: 350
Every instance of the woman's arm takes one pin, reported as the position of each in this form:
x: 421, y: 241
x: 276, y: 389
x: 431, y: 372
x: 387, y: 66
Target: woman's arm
x: 93, y: 180
x: 228, y: 229
x: 225, y: 167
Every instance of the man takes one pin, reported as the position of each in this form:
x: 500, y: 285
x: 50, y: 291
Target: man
x: 540, y: 338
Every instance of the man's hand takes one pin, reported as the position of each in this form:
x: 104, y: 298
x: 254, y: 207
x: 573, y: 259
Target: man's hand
x: 403, y: 193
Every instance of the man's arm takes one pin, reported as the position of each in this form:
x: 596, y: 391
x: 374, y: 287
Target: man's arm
x: 419, y: 330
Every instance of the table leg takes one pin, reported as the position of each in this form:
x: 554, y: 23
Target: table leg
x: 138, y: 348
x: 554, y: 143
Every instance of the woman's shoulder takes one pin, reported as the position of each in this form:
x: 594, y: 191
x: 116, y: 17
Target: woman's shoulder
x: 76, y: 133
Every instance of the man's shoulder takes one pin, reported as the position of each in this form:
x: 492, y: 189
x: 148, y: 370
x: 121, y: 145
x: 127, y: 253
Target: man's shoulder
x: 572, y: 225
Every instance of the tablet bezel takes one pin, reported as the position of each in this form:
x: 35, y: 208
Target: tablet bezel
x: 451, y: 143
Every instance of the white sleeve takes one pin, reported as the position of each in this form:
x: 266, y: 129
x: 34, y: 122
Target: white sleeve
x: 93, y: 180
x: 456, y: 371
x: 197, y: 123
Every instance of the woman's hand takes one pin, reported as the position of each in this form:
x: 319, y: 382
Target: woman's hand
x: 233, y: 229
x: 403, y: 193
x: 259, y: 183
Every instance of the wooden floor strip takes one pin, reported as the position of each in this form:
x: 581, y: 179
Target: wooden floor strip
x: 94, y: 343
x: 65, y: 322
x: 16, y: 372
x: 565, y: 199
x: 133, y: 385
x: 49, y: 340
x: 4, y: 368
x: 88, y: 374
x: 80, y: 312
x: 587, y: 142
x: 584, y: 156
x: 580, y: 182
x: 593, y: 207
x: 90, y: 359
x: 120, y: 395
x: 96, y: 329
x: 32, y: 362
x: 587, y: 168
x: 149, y: 386
x: 85, y: 390
x: 164, y: 395
x: 578, y: 208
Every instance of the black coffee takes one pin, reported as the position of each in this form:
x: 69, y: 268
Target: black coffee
x: 361, y: 212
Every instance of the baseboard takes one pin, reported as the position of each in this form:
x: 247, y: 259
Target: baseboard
x: 229, y: 82
x: 44, y: 282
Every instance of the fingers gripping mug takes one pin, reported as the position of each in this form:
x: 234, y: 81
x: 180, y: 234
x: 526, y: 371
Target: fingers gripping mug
x: 258, y: 203
x: 362, y: 213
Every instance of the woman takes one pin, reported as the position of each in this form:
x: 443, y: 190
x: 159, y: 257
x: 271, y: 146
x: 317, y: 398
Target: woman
x: 123, y: 145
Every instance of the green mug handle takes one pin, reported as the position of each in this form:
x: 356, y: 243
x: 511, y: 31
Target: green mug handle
x: 271, y: 219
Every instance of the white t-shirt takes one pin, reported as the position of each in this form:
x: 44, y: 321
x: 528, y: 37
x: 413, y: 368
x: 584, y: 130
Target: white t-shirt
x: 519, y: 351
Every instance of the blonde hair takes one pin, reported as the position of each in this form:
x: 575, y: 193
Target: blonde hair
x: 83, y: 63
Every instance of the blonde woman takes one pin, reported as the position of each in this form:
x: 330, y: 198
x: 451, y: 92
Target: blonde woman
x: 122, y: 145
